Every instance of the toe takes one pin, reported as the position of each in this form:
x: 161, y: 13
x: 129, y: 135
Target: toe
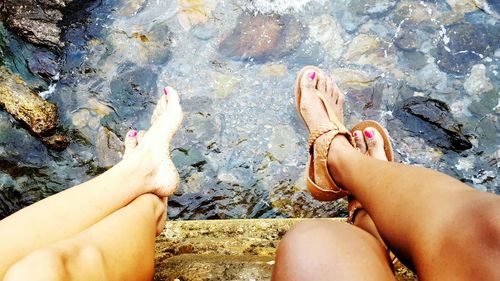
x: 375, y: 143
x: 130, y: 142
x: 360, y: 141
x: 309, y: 79
x: 140, y: 135
x: 322, y: 82
x: 330, y: 89
x: 173, y: 109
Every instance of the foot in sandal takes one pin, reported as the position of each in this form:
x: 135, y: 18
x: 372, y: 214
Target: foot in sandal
x: 373, y: 142
x: 320, y: 103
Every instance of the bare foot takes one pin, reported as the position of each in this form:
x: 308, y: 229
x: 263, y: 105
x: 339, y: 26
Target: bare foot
x: 148, y: 152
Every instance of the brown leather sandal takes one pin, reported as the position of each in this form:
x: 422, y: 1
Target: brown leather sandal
x: 319, y: 181
x: 354, y: 205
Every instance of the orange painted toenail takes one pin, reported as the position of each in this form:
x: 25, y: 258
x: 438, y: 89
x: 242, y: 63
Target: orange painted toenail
x: 312, y: 75
x: 132, y: 133
x: 369, y: 134
x: 165, y: 91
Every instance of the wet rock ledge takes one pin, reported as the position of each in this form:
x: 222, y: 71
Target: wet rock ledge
x: 36, y: 21
x: 24, y: 105
x: 224, y: 250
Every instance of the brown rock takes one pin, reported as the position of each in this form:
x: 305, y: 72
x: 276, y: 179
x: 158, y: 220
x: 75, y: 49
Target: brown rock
x: 262, y: 37
x: 108, y: 147
x: 35, y: 21
x: 26, y: 106
x: 56, y: 142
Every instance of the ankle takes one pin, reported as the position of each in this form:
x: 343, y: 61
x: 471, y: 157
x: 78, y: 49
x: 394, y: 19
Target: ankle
x: 339, y: 151
x: 131, y: 177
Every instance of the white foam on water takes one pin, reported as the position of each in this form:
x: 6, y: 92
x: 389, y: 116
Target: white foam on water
x: 52, y: 87
x: 279, y: 6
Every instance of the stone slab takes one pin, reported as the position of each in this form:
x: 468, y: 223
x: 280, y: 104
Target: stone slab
x: 240, y: 249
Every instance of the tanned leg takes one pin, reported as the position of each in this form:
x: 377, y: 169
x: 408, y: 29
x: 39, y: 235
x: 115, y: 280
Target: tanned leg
x: 446, y: 229
x: 326, y: 250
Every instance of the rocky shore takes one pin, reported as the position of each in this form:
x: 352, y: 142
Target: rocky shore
x: 35, y: 21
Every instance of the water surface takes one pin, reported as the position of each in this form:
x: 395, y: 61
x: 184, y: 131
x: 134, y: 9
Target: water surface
x: 241, y: 151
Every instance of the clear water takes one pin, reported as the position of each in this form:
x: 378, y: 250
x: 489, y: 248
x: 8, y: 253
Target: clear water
x: 241, y: 150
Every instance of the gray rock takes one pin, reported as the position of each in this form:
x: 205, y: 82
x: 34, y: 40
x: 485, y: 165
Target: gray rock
x: 371, y: 6
x: 408, y: 40
x: 108, y: 147
x: 44, y: 64
x: 477, y: 82
x: 464, y: 44
x: 432, y: 120
x: 35, y: 21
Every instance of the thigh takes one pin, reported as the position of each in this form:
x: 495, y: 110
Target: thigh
x: 119, y: 247
x: 328, y: 250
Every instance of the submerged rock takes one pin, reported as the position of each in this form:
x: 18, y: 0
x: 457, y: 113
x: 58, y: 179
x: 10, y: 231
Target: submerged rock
x: 108, y: 147
x: 464, y: 44
x: 329, y: 34
x: 262, y: 37
x: 371, y: 6
x: 27, y: 107
x: 477, y: 82
x: 408, y: 40
x: 35, y: 21
x: 431, y: 120
x: 44, y: 64
x: 56, y: 142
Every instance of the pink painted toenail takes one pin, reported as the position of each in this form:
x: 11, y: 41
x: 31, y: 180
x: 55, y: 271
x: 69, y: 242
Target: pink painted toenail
x: 369, y: 134
x: 355, y: 134
x: 312, y: 75
x: 165, y: 91
x: 132, y: 133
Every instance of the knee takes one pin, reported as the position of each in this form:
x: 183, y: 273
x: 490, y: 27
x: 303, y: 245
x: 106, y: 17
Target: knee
x: 41, y: 265
x: 316, y: 244
x: 59, y: 263
x: 309, y: 234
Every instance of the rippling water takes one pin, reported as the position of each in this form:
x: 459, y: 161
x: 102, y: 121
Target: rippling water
x: 241, y: 151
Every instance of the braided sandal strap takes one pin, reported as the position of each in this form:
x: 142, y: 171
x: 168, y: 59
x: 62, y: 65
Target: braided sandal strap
x: 320, y: 182
x: 318, y: 132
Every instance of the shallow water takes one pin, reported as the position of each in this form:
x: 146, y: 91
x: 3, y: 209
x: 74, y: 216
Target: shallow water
x: 241, y: 150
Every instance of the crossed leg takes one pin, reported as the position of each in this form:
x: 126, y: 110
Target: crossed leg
x: 97, y: 220
x: 432, y: 222
x: 119, y: 247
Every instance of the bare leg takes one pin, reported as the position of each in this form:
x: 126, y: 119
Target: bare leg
x: 120, y: 247
x: 327, y: 250
x: 76, y: 209
x: 428, y: 218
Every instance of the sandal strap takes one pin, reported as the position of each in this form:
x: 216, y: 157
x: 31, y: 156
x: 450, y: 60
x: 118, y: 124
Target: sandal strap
x: 319, y: 131
x: 320, y: 183
x: 329, y: 127
x: 353, y: 208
